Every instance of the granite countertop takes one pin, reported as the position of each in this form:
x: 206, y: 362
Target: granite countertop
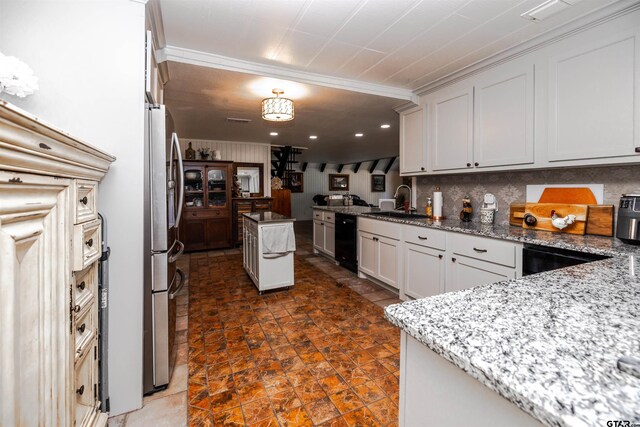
x: 267, y: 217
x: 548, y: 342
x: 348, y: 210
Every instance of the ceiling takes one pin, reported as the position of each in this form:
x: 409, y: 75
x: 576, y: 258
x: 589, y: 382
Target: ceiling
x: 381, y: 47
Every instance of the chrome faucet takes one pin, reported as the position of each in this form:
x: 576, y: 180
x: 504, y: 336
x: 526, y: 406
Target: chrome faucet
x: 408, y: 188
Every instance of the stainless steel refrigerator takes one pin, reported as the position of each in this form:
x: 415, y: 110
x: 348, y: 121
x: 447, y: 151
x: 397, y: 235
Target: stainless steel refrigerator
x: 164, y: 194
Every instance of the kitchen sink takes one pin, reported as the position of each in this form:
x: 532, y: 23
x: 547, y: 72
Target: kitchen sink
x: 395, y: 214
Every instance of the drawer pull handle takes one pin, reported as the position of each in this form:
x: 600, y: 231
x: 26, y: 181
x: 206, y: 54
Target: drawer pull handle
x: 76, y: 309
x: 453, y: 260
x: 89, y: 242
x: 468, y: 165
x: 440, y: 256
x: 81, y: 285
x: 481, y: 251
x: 82, y: 328
x: 80, y: 391
x: 423, y: 238
x: 84, y: 200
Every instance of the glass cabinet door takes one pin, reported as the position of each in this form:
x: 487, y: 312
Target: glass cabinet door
x: 217, y: 187
x: 193, y: 186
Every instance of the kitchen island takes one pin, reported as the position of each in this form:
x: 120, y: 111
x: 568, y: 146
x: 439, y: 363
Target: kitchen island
x: 268, y: 248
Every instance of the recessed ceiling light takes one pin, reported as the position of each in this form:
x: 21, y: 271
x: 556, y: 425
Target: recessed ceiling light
x: 359, y: 134
x: 313, y: 137
x: 385, y: 126
x: 274, y: 134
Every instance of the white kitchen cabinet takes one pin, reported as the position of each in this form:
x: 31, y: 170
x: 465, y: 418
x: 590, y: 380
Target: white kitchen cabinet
x: 594, y: 98
x: 49, y: 246
x: 379, y: 254
x: 450, y: 124
x: 324, y: 232
x: 503, y: 116
x: 424, y: 270
x: 412, y: 142
x: 465, y: 273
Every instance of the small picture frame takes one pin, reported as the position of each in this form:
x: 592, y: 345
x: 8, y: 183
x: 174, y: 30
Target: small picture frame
x: 338, y: 182
x: 245, y: 194
x: 378, y: 183
x: 296, y: 182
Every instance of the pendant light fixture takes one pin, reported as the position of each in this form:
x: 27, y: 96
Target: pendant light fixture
x: 277, y: 109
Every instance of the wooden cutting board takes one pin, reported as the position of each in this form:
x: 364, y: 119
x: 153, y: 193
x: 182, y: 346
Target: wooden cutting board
x: 579, y: 195
x: 599, y: 218
x: 543, y: 212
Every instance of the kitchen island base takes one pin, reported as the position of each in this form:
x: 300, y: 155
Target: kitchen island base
x: 435, y: 392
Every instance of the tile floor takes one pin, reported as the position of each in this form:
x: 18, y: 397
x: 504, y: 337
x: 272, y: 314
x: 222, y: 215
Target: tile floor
x: 320, y: 354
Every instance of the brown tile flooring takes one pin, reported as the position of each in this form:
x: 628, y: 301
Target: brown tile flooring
x: 320, y: 354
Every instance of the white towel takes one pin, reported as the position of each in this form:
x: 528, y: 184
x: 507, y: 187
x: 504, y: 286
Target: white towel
x: 278, y: 239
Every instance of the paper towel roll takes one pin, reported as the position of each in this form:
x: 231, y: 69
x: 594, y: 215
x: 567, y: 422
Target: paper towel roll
x: 437, y: 202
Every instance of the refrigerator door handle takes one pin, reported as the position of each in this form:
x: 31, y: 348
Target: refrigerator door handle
x: 176, y: 144
x: 173, y: 258
x: 172, y: 294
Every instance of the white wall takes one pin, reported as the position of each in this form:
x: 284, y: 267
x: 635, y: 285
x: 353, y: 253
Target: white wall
x: 249, y: 152
x: 89, y: 57
x: 316, y: 182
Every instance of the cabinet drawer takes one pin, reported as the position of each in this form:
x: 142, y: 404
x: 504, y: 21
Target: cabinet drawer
x: 84, y: 331
x: 85, y: 400
x: 317, y: 214
x: 379, y: 227
x: 263, y: 205
x: 86, y: 201
x: 492, y: 250
x: 85, y: 285
x: 329, y: 217
x: 206, y: 213
x: 424, y: 236
x: 87, y: 240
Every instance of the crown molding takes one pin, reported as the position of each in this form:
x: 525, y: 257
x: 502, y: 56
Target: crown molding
x: 194, y: 57
x: 153, y: 15
x: 552, y: 36
x: 405, y: 106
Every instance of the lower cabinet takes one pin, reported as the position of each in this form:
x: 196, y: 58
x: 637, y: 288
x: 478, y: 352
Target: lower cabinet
x: 379, y: 251
x: 465, y: 273
x: 324, y: 232
x: 206, y: 233
x: 424, y: 271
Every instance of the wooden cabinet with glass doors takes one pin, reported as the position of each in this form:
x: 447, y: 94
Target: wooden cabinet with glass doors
x: 207, y: 205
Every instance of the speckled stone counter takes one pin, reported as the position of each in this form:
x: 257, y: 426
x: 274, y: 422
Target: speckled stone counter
x: 267, y: 217
x: 549, y: 342
x: 348, y: 210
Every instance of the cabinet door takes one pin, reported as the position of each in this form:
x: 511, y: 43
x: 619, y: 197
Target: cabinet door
x: 367, y: 259
x: 387, y: 261
x: 465, y: 273
x: 218, y: 233
x: 503, y: 116
x: 318, y: 235
x: 594, y: 99
x: 424, y: 271
x: 195, y: 236
x: 451, y: 127
x: 330, y: 239
x: 412, y: 142
x: 36, y: 358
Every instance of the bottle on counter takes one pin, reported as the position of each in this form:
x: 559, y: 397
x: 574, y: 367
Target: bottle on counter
x: 429, y: 208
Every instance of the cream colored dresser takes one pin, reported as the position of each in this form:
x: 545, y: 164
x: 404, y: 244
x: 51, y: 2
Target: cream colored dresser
x: 49, y: 250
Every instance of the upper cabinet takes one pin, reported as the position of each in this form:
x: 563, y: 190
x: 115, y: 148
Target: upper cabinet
x: 503, y: 116
x: 412, y: 143
x: 575, y: 101
x: 450, y: 124
x: 594, y: 93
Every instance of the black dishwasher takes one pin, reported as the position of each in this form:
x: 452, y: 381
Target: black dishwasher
x: 537, y: 259
x: 346, y: 241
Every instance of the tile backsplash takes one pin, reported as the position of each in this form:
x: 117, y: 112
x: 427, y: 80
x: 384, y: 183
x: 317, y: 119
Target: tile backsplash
x: 510, y: 187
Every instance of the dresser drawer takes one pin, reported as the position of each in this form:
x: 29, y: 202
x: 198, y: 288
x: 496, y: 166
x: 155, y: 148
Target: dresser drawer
x: 84, y: 391
x: 86, y: 207
x: 423, y: 236
x: 206, y: 213
x: 85, y: 285
x: 317, y: 214
x: 84, y: 331
x: 492, y: 250
x: 87, y: 240
x: 329, y: 217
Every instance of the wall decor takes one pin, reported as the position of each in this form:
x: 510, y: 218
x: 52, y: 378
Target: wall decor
x: 338, y: 182
x: 296, y: 182
x: 378, y: 183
